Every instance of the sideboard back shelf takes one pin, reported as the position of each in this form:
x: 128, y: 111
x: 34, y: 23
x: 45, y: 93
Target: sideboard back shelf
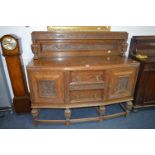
x: 63, y: 44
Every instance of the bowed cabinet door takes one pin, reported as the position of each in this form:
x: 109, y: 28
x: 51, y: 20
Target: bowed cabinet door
x: 121, y: 82
x: 46, y: 86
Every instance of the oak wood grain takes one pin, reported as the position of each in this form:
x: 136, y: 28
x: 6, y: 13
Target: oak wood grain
x: 91, y: 69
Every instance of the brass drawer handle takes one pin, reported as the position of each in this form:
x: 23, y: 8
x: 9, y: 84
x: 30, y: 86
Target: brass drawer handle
x: 109, y: 51
x: 95, y: 96
x: 77, y: 78
x: 77, y: 96
x: 97, y: 78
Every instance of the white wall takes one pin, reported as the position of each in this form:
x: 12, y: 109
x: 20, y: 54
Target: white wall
x: 25, y: 34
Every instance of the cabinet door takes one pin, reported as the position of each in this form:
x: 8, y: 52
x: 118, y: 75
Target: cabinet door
x: 46, y: 87
x: 149, y: 90
x: 121, y: 82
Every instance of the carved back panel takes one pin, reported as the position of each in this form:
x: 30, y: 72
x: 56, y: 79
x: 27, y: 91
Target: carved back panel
x: 62, y: 44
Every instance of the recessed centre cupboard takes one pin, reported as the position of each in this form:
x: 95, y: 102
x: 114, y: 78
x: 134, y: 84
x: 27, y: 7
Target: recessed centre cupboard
x: 77, y: 69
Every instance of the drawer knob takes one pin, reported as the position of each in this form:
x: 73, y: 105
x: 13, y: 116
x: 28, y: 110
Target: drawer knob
x: 109, y: 51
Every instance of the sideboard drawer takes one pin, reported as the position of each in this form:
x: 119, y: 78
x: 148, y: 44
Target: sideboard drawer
x: 87, y: 76
x: 86, y: 86
x: 86, y: 96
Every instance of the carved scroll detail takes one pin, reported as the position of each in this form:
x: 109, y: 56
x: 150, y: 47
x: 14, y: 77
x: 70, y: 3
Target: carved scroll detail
x: 124, y: 47
x: 65, y: 46
x: 47, y: 88
x: 35, y: 50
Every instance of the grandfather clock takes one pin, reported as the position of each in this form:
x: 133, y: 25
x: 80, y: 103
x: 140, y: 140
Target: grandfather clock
x: 12, y: 53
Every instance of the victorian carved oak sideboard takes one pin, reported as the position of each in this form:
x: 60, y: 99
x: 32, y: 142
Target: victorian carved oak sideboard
x: 142, y: 49
x: 81, y: 69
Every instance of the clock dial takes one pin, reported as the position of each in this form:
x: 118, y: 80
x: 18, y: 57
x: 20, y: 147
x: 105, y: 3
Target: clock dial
x: 9, y: 43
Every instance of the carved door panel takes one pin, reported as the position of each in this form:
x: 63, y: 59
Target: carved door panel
x: 46, y: 87
x: 121, y: 82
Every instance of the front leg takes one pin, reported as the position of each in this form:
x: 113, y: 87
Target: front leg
x: 129, y: 106
x: 102, y: 110
x: 67, y: 115
x: 35, y: 114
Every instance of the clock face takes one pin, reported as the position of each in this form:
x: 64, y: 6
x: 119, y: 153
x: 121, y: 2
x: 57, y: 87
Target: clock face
x: 9, y: 43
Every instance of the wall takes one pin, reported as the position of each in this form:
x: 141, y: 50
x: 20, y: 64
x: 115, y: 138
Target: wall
x: 25, y: 34
x: 5, y: 98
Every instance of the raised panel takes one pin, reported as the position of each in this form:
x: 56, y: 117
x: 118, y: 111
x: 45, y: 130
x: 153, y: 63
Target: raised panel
x: 79, y: 48
x: 121, y: 83
x: 47, y: 88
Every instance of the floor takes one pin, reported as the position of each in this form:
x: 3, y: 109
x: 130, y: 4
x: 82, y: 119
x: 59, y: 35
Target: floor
x: 143, y: 119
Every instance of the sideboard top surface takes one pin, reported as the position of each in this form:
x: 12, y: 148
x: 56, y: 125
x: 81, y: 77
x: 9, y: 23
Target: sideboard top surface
x: 86, y: 63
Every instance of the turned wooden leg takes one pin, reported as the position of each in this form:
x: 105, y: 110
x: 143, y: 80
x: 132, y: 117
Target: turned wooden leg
x: 135, y: 110
x: 129, y: 106
x: 35, y: 114
x: 102, y: 110
x: 67, y: 115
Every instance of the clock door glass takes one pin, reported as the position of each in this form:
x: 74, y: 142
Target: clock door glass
x: 9, y: 43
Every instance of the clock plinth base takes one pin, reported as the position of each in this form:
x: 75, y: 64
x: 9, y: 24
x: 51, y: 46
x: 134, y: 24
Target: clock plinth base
x: 22, y: 104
